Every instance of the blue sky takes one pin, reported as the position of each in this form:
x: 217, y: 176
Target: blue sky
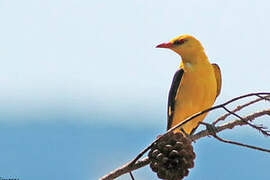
x: 75, y: 73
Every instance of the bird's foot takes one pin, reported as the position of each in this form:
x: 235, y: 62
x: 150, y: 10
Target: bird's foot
x: 211, y: 128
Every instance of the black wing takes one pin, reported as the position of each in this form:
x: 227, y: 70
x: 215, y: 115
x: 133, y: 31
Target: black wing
x: 174, y: 87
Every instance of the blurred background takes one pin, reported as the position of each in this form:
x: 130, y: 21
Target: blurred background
x: 83, y: 90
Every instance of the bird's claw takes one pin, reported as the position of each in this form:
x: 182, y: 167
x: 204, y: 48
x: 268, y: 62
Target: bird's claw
x: 211, y: 128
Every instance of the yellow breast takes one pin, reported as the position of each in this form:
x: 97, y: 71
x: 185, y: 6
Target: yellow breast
x: 197, y: 92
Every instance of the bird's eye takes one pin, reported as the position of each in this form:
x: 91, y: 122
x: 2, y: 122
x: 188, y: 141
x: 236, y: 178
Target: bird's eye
x: 179, y: 42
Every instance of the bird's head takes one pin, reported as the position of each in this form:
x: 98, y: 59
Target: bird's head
x: 185, y: 45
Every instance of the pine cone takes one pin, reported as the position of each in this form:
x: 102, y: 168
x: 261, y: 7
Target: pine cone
x: 172, y: 156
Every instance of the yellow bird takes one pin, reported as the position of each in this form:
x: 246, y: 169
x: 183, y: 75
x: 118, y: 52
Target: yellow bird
x: 195, y: 85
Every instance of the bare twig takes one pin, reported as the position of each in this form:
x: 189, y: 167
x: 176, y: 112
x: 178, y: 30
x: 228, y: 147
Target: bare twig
x: 212, y: 130
x: 135, y: 164
x: 238, y: 108
x: 259, y: 128
x: 125, y: 169
x: 241, y: 144
x: 131, y: 175
x: 232, y: 124
x: 264, y: 97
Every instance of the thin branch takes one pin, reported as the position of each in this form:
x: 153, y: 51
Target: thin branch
x: 125, y: 169
x: 238, y: 108
x: 259, y: 128
x: 212, y: 130
x: 231, y: 124
x: 264, y: 97
x: 132, y: 165
x: 241, y: 144
x: 131, y: 175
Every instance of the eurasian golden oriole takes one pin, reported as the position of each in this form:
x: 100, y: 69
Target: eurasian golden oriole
x: 195, y: 85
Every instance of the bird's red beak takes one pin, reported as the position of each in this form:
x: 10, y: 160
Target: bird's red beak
x: 164, y: 45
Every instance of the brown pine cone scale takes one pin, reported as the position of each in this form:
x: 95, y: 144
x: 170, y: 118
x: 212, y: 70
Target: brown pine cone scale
x: 172, y: 156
